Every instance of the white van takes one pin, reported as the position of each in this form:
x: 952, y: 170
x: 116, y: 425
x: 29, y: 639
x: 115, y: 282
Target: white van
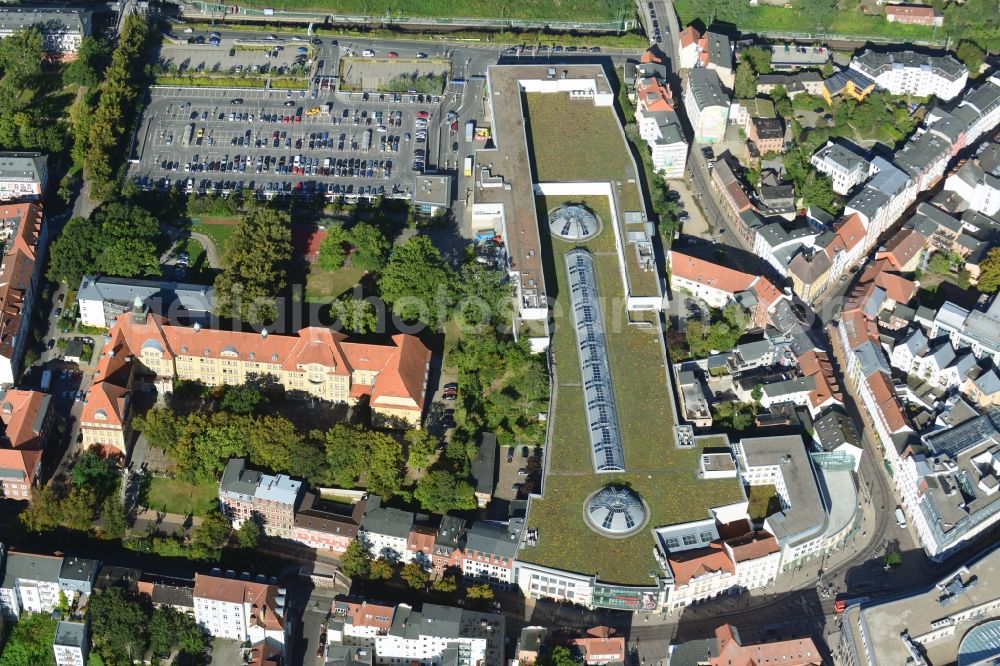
x: 900, y: 518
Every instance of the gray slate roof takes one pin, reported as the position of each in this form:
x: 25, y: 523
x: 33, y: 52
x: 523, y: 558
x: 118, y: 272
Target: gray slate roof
x: 27, y: 566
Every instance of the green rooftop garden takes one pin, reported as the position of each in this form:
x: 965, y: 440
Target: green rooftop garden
x: 665, y: 476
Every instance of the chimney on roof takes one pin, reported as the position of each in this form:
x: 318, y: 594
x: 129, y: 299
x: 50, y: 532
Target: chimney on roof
x: 263, y: 332
x: 197, y: 327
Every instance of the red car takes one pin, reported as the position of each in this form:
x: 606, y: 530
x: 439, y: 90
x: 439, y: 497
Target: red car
x: 393, y: 54
x: 423, y: 114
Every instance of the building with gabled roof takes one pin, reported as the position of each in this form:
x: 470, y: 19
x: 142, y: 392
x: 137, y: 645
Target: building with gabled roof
x: 23, y: 176
x: 24, y: 239
x: 27, y: 418
x: 269, y: 500
x: 847, y: 165
x: 601, y: 646
x: 711, y: 50
x: 490, y: 549
x: 316, y: 362
x: 241, y: 609
x: 656, y: 118
x: 707, y: 105
x: 910, y: 73
x: 720, y: 285
x: 914, y: 15
x: 62, y: 28
x: 327, y: 525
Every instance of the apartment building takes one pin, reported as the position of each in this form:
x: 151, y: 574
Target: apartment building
x: 711, y: 51
x: 600, y: 646
x: 429, y: 636
x: 26, y: 418
x: 358, y: 622
x: 768, y: 135
x: 24, y: 236
x: 102, y: 299
x: 914, y: 15
x: 976, y: 330
x: 71, y: 644
x: 23, y: 176
x: 449, y: 545
x: 32, y: 583
x: 911, y: 73
x: 845, y: 164
x: 656, y: 118
x: 240, y: 609
x: 145, y: 351
x: 62, y: 28
x: 269, y: 500
x: 707, y: 105
x: 720, y: 285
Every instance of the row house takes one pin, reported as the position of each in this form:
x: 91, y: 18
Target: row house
x: 657, y: 119
x: 979, y: 190
x: 449, y: 546
x: 815, y: 389
x: 24, y: 236
x: 490, y: 549
x: 269, y: 500
x: 62, y: 28
x: 357, y: 622
x: 330, y: 526
x: 707, y: 104
x: 710, y: 51
x: 976, y: 330
x: 23, y: 176
x: 385, y: 532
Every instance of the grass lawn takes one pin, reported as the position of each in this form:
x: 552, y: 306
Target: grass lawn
x: 569, y: 10
x: 324, y: 285
x: 764, y: 502
x: 219, y: 233
x: 769, y: 18
x: 199, y: 272
x: 665, y: 476
x: 604, y: 156
x: 176, y: 496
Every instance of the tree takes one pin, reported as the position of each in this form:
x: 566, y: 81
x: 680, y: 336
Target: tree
x: 734, y: 415
x: 421, y: 446
x: 782, y: 105
x: 94, y: 471
x: 370, y: 247
x: 21, y: 56
x: 989, y: 272
x: 759, y: 58
x: 79, y: 508
x: 92, y: 56
x: 481, y: 591
x: 255, y: 266
x: 746, y: 81
x: 353, y: 452
x: 43, y: 513
x: 484, y: 295
x: 211, y: 535
x: 242, y: 399
x: 414, y: 575
x: 332, y: 251
x: 827, y: 70
x: 355, y: 561
x: 757, y: 392
x: 118, y: 626
x: 940, y: 263
x: 440, y: 492
x: 355, y: 314
x: 556, y: 655
x: 248, y: 534
x: 113, y: 519
x: 417, y: 283
x: 380, y: 569
x: 893, y: 559
x: 30, y: 641
x: 447, y: 584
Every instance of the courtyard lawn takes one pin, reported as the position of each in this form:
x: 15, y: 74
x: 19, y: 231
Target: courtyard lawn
x: 664, y: 475
x: 180, y: 497
x: 763, y: 502
x: 219, y: 233
x: 324, y: 286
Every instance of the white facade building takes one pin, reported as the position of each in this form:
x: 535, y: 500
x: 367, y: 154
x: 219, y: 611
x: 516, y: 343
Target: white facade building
x: 844, y: 164
x: 707, y: 105
x: 70, y: 645
x: 385, y: 532
x: 910, y: 73
x: 978, y: 189
x: 23, y: 176
x: 62, y: 28
x: 240, y: 609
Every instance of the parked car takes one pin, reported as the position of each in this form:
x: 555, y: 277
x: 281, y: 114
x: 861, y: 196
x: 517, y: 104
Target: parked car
x: 510, y: 454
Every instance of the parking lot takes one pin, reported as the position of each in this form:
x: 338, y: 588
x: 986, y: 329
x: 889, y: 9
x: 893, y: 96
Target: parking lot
x: 279, y: 143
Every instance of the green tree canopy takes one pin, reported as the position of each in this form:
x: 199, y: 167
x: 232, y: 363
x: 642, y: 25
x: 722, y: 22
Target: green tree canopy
x: 355, y: 561
x: 94, y: 471
x: 746, y: 81
x: 420, y: 448
x: 21, y: 56
x: 417, y: 283
x: 759, y: 59
x: 30, y: 641
x: 414, y: 575
x: 242, y: 399
x: 972, y: 56
x: 333, y: 249
x: 439, y: 491
x: 370, y: 247
x: 119, y: 626
x: 989, y: 272
x: 92, y: 56
x: 255, y: 266
x: 248, y: 534
x: 381, y: 569
x: 355, y: 314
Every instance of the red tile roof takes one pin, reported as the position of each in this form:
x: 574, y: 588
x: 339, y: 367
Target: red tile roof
x: 888, y: 403
x: 261, y: 597
x: 911, y: 11
x: 902, y: 247
x: 598, y: 650
x: 24, y: 461
x: 794, y: 652
x: 690, y: 564
x: 24, y: 224
x: 689, y: 36
x: 20, y: 412
x: 367, y: 614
